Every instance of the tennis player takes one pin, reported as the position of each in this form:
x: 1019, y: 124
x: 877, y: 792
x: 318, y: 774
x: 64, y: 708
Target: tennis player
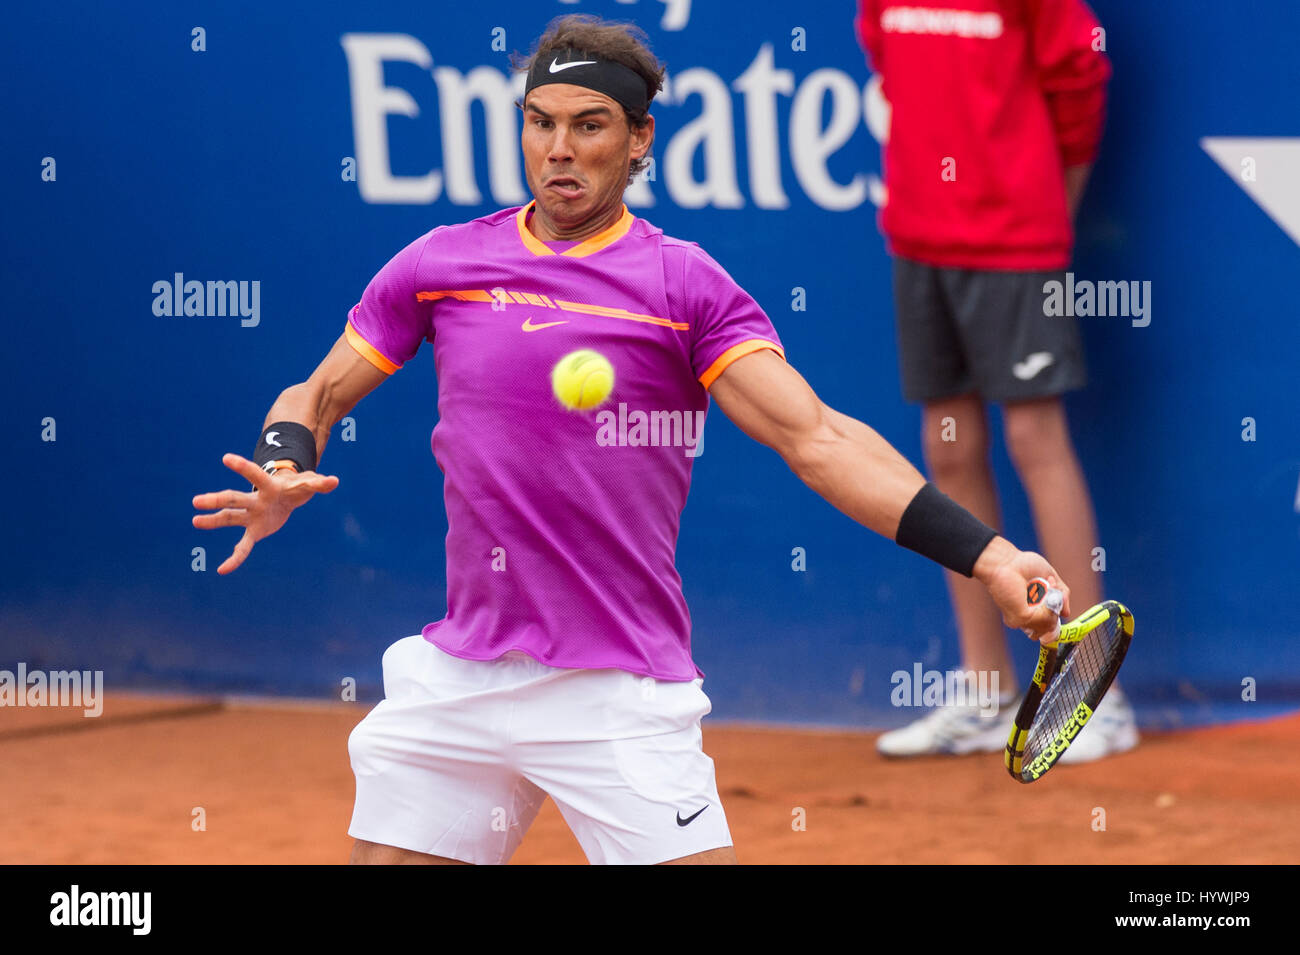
x: 563, y: 665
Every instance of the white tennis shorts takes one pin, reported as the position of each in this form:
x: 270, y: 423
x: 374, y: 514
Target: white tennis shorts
x: 458, y: 757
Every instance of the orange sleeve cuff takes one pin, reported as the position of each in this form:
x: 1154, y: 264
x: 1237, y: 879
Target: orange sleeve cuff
x: 368, y: 351
x: 737, y: 351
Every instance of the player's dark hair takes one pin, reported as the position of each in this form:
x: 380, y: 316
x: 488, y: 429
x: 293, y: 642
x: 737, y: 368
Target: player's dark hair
x: 619, y: 42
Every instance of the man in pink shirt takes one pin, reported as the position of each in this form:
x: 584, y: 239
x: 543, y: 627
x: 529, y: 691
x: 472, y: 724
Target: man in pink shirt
x: 563, y: 664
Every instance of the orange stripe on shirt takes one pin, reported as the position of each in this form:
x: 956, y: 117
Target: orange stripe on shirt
x: 461, y: 295
x: 731, y: 354
x: 607, y: 312
x: 368, y: 351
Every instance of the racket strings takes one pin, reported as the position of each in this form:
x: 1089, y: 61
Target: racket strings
x: 1084, y: 671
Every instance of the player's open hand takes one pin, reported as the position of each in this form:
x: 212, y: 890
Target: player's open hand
x: 1006, y: 572
x: 262, y: 512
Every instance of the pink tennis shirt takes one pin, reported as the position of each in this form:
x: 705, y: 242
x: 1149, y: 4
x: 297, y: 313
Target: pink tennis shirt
x: 562, y: 525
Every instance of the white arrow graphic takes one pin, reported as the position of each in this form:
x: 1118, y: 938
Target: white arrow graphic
x: 1275, y: 183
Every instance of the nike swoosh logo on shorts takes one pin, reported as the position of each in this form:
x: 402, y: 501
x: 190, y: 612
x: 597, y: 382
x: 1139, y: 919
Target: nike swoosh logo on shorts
x: 691, y: 818
x: 1032, y: 365
x: 528, y: 325
x: 556, y: 65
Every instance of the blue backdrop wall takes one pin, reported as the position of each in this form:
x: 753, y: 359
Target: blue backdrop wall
x: 220, y: 141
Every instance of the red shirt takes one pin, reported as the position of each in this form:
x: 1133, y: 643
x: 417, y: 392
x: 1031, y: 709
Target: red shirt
x: 991, y: 100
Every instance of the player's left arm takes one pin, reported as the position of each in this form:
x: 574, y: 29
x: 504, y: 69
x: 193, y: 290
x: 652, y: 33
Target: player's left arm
x: 859, y: 472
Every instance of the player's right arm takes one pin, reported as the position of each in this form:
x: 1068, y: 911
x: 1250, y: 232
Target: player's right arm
x: 319, y: 403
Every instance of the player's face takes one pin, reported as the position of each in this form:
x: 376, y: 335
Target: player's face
x: 578, y: 147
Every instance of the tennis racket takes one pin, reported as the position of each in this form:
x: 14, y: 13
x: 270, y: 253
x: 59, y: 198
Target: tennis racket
x: 1074, y: 672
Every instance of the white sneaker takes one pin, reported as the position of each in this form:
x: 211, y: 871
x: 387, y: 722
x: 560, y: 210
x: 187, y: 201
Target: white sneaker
x: 1112, y: 729
x: 954, y: 730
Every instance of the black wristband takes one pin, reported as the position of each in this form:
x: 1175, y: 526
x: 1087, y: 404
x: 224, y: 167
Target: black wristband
x: 937, y: 527
x: 286, y: 441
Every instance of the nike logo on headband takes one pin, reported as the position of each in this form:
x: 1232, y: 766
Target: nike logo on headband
x: 556, y: 65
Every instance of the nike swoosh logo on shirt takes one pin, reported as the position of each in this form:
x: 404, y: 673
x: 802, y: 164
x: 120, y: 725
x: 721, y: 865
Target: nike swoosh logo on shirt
x: 1032, y: 365
x: 528, y: 325
x: 691, y: 818
x: 556, y: 65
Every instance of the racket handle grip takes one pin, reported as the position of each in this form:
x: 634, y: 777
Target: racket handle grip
x: 1040, y: 591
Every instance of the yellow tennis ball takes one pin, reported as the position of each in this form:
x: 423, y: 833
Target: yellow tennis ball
x: 582, y: 379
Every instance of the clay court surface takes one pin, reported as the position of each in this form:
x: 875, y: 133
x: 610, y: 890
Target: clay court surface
x: 274, y: 782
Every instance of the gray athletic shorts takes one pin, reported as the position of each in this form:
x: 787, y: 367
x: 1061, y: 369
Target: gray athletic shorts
x: 964, y: 330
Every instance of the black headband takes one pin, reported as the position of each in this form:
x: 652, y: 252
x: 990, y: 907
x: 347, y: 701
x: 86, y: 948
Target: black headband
x: 615, y: 80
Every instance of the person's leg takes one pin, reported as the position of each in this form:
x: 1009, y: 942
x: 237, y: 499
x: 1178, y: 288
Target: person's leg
x: 1038, y: 442
x: 955, y: 442
x: 1024, y: 360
